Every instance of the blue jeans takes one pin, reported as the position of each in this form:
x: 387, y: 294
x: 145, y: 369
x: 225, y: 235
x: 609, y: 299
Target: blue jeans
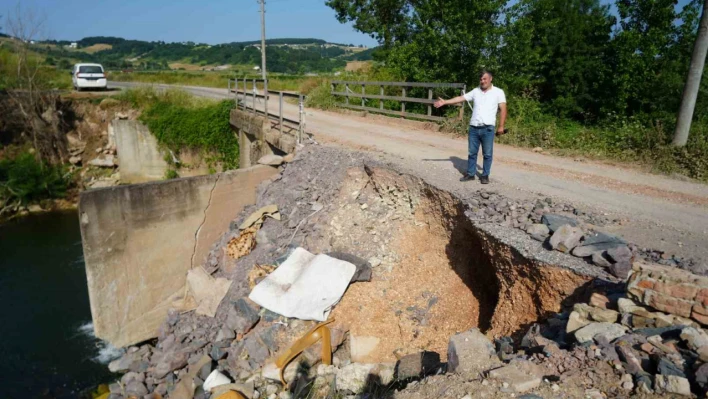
x: 485, y: 136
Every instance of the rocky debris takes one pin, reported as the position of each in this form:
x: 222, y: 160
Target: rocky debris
x: 470, y: 352
x: 612, y: 346
x: 556, y: 221
x: 520, y: 375
x: 538, y: 231
x: 272, y: 160
x: 108, y: 161
x: 357, y: 377
x: 600, y: 331
x: 565, y: 238
x: 697, y: 341
x: 363, y: 267
x: 243, y: 315
x: 672, y: 384
x: 670, y: 290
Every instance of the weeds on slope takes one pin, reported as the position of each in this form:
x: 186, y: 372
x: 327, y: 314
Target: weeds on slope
x: 180, y: 120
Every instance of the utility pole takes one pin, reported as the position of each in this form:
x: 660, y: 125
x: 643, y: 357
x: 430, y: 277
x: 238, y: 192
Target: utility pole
x: 263, y: 44
x: 693, y: 82
x: 263, y: 58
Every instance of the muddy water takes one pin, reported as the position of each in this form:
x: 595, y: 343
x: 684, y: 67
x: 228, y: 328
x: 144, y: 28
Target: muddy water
x: 46, y: 342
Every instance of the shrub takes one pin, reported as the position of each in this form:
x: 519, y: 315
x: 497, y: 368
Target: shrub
x: 27, y: 180
x: 205, y: 127
x: 321, y: 97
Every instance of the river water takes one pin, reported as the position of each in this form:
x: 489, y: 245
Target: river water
x: 47, y: 347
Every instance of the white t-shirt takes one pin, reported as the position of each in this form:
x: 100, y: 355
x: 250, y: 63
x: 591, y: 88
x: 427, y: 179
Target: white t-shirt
x: 486, y: 103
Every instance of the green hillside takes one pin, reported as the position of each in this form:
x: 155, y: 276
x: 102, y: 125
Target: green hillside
x: 285, y: 55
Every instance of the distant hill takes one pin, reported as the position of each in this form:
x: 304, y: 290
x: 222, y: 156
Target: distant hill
x: 285, y: 55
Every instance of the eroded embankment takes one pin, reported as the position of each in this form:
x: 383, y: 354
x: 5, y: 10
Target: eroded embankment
x: 440, y: 272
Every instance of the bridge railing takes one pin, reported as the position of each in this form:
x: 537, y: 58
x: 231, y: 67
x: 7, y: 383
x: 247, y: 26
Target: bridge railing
x: 240, y: 87
x: 349, y: 94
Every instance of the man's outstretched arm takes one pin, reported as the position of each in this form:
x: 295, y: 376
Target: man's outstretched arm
x: 451, y: 101
x: 502, y: 118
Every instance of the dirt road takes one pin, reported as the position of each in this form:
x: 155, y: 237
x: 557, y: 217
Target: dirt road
x: 652, y: 211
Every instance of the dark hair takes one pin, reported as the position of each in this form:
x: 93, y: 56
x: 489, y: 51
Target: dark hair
x: 486, y: 72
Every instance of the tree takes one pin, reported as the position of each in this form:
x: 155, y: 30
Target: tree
x: 30, y: 93
x: 690, y: 92
x: 429, y: 40
x: 649, y: 56
x: 555, y: 50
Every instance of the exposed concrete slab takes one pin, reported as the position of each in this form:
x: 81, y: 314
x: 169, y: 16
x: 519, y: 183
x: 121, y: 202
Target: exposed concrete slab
x: 140, y: 157
x: 256, y: 137
x: 140, y: 240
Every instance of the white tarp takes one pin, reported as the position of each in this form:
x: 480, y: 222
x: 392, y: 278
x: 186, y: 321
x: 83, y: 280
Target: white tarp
x: 305, y: 286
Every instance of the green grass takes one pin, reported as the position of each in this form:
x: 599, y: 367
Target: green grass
x: 25, y: 180
x: 45, y: 77
x: 180, y: 120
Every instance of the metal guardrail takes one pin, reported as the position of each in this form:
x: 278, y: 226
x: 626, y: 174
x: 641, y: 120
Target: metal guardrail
x: 279, y: 117
x: 403, y: 98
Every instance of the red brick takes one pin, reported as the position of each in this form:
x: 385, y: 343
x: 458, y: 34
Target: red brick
x: 599, y: 300
x: 646, y: 284
x: 668, y: 304
x: 699, y: 308
x: 676, y: 290
x: 703, y: 300
x: 700, y: 318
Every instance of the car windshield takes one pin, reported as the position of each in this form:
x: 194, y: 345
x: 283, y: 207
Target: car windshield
x: 90, y: 69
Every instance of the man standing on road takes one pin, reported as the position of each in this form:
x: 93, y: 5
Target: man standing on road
x: 487, y: 100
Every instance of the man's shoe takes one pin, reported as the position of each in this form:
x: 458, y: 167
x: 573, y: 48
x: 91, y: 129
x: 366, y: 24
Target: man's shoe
x: 467, y: 178
x: 484, y: 179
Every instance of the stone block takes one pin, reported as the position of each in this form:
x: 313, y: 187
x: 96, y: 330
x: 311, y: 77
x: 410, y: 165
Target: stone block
x: 608, y: 331
x: 599, y: 301
x: 555, y: 221
x: 538, y: 231
x: 470, y: 352
x: 242, y: 316
x: 621, y: 269
x: 672, y: 384
x: 417, y: 365
x: 566, y: 238
x: 357, y: 377
x: 521, y: 376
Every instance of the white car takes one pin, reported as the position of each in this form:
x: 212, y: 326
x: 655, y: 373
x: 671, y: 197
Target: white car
x: 88, y: 76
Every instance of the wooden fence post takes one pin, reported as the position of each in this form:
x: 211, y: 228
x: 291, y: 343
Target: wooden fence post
x: 430, y: 106
x: 280, y: 99
x: 381, y: 92
x: 403, y: 103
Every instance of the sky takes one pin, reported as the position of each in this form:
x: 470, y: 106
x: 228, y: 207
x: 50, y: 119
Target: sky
x: 205, y: 21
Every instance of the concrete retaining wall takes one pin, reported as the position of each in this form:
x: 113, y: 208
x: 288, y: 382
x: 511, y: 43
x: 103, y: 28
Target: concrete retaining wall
x: 257, y: 139
x: 140, y: 240
x: 140, y: 158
